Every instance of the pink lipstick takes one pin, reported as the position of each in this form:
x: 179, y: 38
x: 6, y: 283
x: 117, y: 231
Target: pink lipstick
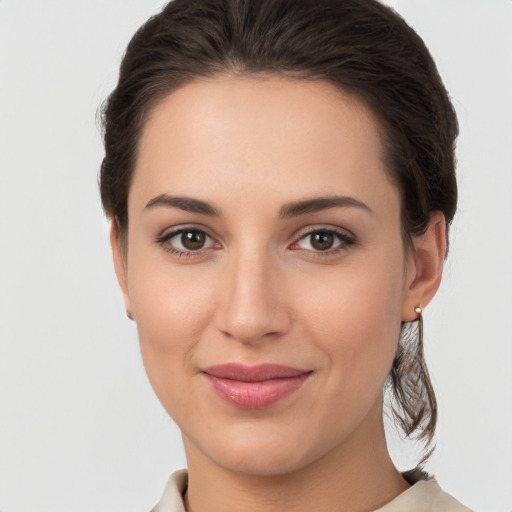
x: 254, y: 387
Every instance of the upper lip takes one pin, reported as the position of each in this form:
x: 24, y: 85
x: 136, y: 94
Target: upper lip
x: 257, y: 373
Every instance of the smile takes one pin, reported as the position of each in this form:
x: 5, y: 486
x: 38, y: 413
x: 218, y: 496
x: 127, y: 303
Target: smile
x: 254, y: 387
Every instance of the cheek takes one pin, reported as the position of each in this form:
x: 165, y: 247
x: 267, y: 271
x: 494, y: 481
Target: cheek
x: 172, y: 309
x: 169, y: 299
x: 354, y: 316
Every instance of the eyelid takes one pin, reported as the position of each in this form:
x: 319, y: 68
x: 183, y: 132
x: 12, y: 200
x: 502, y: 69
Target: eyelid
x: 313, y: 228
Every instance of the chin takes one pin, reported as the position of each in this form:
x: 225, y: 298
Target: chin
x: 262, y: 462
x: 252, y: 450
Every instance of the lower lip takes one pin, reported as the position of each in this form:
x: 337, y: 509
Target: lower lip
x: 255, y: 395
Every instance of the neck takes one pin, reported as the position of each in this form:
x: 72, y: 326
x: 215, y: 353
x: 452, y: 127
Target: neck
x: 358, y: 476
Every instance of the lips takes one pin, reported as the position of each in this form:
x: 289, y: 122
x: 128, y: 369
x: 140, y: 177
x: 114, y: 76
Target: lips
x: 254, y: 387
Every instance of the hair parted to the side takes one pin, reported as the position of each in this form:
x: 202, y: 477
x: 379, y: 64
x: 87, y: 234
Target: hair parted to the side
x: 360, y: 46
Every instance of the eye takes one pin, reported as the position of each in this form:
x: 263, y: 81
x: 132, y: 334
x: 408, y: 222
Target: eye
x: 185, y: 241
x: 324, y: 240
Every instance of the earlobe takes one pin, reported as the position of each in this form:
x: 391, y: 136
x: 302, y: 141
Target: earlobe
x: 426, y: 269
x: 120, y: 267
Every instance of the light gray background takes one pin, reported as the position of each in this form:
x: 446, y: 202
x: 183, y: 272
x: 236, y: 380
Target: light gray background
x: 80, y: 428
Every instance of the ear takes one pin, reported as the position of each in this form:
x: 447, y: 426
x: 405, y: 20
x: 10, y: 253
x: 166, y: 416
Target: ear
x: 425, y: 267
x: 119, y: 257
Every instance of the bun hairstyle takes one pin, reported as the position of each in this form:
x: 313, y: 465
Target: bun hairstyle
x: 360, y: 46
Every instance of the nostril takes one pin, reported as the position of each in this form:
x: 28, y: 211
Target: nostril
x: 255, y: 329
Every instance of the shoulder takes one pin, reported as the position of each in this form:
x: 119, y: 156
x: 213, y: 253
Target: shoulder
x: 172, y: 497
x: 424, y: 496
x: 442, y: 501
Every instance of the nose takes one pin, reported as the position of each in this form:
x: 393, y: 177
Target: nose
x: 252, y: 306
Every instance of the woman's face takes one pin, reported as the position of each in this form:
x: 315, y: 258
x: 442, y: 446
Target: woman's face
x: 265, y: 269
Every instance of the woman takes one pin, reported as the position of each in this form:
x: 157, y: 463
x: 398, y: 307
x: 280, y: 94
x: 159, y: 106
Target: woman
x: 279, y: 175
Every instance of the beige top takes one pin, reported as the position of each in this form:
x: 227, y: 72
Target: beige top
x: 423, y: 496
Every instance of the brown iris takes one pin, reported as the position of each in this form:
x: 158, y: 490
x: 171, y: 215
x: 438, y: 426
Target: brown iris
x: 193, y: 240
x: 322, y: 240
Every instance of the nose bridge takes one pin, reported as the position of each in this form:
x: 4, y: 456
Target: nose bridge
x: 251, y: 308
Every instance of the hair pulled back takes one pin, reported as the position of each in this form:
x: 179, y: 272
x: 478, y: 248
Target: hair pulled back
x: 360, y: 46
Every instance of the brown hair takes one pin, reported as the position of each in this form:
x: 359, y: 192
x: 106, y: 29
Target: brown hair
x: 360, y: 46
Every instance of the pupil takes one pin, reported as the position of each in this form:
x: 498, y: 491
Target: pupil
x: 193, y: 240
x: 322, y: 241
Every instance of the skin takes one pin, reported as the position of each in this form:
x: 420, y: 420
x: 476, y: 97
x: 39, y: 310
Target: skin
x: 259, y: 291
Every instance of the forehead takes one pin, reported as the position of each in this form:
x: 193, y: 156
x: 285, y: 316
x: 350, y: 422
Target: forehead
x: 260, y: 135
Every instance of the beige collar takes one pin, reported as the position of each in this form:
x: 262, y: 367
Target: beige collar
x: 423, y: 496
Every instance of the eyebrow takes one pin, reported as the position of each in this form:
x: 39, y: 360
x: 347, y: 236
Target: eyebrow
x: 293, y: 209
x: 318, y: 204
x: 187, y: 204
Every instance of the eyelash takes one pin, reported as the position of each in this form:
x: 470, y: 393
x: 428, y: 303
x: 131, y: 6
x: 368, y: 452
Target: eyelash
x: 344, y: 240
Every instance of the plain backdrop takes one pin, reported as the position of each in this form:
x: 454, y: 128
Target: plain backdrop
x: 80, y: 428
